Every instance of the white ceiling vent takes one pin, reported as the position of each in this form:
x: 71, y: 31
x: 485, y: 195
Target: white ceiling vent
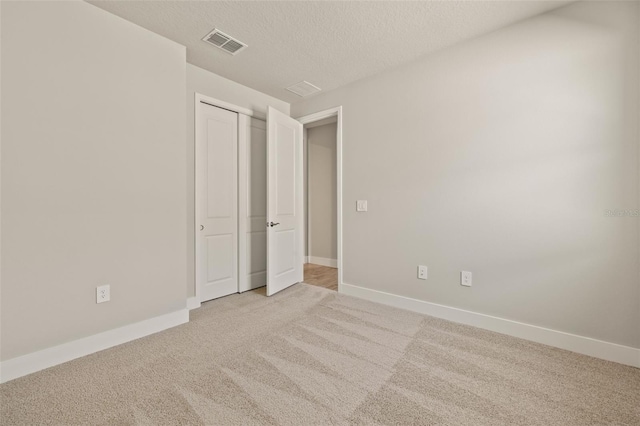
x: 224, y: 42
x: 304, y: 88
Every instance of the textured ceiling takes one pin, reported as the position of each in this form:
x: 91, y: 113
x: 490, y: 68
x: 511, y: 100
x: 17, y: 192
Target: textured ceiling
x: 327, y: 43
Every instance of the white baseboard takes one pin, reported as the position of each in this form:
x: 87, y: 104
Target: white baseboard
x: 253, y: 281
x: 323, y: 261
x: 559, y: 339
x: 193, y: 303
x: 36, y: 361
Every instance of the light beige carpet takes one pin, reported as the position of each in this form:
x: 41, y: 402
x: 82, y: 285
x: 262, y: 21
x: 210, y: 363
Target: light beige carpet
x: 309, y: 356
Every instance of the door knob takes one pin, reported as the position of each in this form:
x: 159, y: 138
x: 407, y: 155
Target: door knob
x: 202, y: 227
x: 272, y: 224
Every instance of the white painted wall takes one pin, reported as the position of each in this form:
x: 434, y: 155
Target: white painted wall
x: 322, y: 193
x: 209, y: 84
x: 500, y: 156
x: 93, y: 166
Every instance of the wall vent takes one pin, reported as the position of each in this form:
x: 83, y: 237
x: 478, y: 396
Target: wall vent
x: 224, y: 42
x: 304, y: 88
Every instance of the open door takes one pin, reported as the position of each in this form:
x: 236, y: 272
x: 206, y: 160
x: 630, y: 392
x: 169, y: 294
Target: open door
x: 285, y: 232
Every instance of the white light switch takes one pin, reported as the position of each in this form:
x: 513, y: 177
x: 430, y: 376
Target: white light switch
x: 361, y: 205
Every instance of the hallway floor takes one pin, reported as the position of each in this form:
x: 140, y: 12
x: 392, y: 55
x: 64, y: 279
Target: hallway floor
x: 321, y: 276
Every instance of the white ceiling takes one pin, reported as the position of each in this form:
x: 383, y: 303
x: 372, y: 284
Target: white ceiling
x: 328, y: 43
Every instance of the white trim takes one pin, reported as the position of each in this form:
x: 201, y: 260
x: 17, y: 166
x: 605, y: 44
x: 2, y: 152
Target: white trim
x: 255, y: 280
x: 306, y: 259
x: 336, y: 111
x: 307, y: 194
x: 199, y: 97
x: 193, y: 303
x: 197, y: 113
x: 36, y: 361
x: 559, y: 339
x: 243, y: 140
x: 323, y: 261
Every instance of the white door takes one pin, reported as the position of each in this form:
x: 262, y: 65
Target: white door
x: 217, y: 202
x: 285, y: 231
x: 252, y: 202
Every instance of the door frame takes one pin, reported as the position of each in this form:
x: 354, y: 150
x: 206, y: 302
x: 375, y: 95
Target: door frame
x: 311, y: 118
x: 199, y: 99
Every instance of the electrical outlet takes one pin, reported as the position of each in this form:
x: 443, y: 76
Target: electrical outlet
x: 466, y: 278
x: 103, y: 293
x: 361, y: 205
x: 422, y: 272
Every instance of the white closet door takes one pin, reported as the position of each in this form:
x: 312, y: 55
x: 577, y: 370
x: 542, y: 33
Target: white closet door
x: 253, y: 202
x: 284, y: 202
x: 217, y: 206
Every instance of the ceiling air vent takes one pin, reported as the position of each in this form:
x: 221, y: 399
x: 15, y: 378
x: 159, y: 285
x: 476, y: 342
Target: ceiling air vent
x: 304, y: 88
x: 224, y: 42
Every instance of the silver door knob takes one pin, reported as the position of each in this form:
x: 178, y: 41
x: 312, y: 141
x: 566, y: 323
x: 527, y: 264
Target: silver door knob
x: 202, y: 227
x: 272, y: 224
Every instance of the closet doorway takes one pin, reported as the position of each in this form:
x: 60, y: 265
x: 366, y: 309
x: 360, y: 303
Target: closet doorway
x: 249, y: 200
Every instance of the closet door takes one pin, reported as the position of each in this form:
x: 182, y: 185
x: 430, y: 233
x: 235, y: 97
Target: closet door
x: 252, y: 151
x: 216, y: 202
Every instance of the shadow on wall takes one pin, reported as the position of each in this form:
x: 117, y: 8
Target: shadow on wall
x: 501, y: 156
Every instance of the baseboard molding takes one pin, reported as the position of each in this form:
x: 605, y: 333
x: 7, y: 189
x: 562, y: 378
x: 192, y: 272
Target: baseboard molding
x: 253, y: 281
x: 559, y: 339
x: 193, y: 303
x: 36, y: 361
x: 252, y: 288
x: 323, y: 261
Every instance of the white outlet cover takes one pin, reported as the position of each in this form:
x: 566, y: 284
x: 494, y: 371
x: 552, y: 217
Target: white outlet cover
x: 361, y: 205
x: 103, y: 293
x: 466, y: 278
x: 422, y: 272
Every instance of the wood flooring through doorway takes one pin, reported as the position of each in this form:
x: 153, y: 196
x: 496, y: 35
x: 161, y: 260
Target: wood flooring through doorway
x: 321, y: 276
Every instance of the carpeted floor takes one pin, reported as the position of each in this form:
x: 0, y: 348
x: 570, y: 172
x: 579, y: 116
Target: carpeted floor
x: 309, y: 356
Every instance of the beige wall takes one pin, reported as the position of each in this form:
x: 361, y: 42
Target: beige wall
x: 212, y: 85
x: 93, y: 166
x: 322, y: 194
x: 0, y: 182
x: 500, y: 156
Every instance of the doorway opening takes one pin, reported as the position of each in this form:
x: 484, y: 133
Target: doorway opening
x: 321, y: 151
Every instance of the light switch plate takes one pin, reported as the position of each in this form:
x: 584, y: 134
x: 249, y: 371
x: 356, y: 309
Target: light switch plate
x: 361, y: 205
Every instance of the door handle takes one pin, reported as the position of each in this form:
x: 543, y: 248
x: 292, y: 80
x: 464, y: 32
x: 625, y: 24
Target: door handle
x: 272, y: 224
x: 202, y: 227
